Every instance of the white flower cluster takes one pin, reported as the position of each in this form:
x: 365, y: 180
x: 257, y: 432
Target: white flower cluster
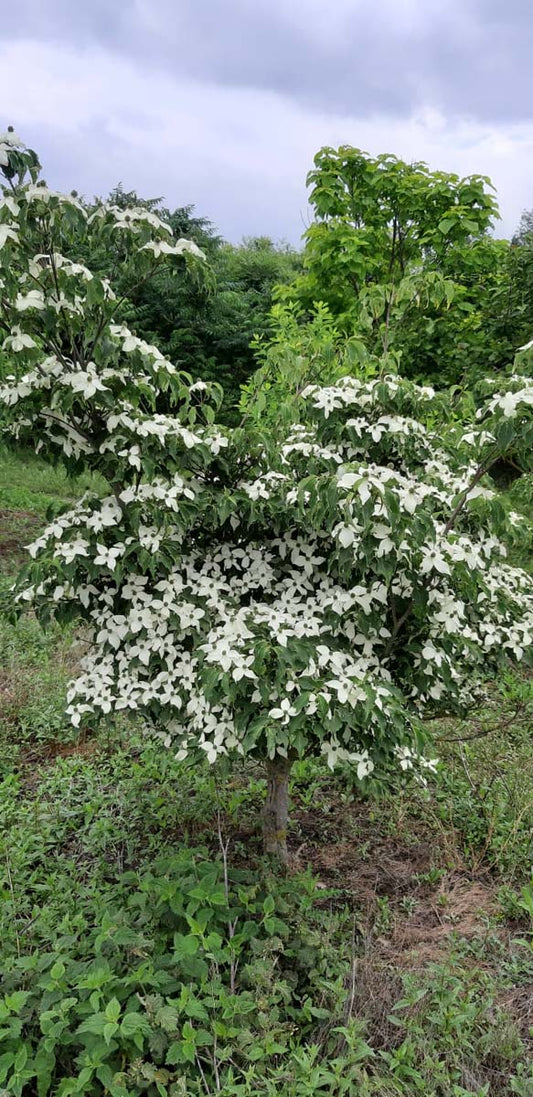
x: 234, y: 602
x: 290, y: 627
x: 515, y: 400
x: 39, y: 192
x: 129, y: 218
x: 350, y: 391
x: 181, y: 247
x: 320, y: 594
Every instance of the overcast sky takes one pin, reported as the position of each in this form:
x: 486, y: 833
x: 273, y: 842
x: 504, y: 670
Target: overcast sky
x: 223, y: 103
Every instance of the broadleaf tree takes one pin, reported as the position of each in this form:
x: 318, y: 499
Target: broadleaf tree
x: 320, y: 588
x: 402, y: 257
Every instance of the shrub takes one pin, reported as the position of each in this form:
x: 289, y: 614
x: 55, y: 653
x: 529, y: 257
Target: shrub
x: 319, y: 589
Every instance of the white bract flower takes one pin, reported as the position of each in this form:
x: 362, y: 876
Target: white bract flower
x: 8, y: 142
x: 433, y: 560
x: 34, y: 299
x: 18, y: 340
x: 283, y: 712
x: 69, y: 550
x: 86, y: 382
x: 107, y: 557
x: 8, y: 232
x: 9, y: 203
x: 108, y: 515
x: 163, y: 247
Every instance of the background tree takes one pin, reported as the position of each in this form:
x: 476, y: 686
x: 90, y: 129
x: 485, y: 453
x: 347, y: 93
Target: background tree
x: 299, y: 350
x: 518, y: 309
x: 207, y: 324
x: 402, y: 257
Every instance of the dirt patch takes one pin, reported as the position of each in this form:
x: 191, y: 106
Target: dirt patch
x: 48, y: 753
x: 17, y: 527
x: 518, y: 1003
x: 12, y: 516
x: 350, y: 849
x: 459, y: 907
x: 411, y: 893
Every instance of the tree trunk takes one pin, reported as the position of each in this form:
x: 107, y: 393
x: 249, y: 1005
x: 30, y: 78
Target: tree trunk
x: 276, y: 812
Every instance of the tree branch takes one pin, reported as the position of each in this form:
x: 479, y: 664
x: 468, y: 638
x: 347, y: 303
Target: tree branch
x: 481, y: 471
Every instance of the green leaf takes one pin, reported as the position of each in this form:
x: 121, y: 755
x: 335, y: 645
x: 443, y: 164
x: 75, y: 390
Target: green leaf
x: 94, y: 1024
x: 16, y: 1000
x: 112, y: 1010
x: 134, y: 1022
x: 175, y: 1053
x: 269, y: 905
x: 6, y: 1063
x: 44, y: 1063
x: 108, y: 1031
x: 21, y: 1058
x: 185, y: 946
x: 195, y: 1008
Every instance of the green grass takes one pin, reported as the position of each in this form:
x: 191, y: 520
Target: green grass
x: 394, y: 960
x: 28, y: 483
x: 28, y: 488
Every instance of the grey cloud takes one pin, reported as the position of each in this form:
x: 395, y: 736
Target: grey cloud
x: 224, y: 104
x: 61, y: 20
x: 464, y: 57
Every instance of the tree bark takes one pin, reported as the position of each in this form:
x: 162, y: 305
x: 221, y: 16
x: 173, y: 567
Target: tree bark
x: 276, y: 811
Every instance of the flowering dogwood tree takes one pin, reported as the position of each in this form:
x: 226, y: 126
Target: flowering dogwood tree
x: 319, y: 593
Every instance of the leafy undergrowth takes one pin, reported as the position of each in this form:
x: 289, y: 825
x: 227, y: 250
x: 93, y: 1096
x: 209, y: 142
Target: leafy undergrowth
x: 146, y: 947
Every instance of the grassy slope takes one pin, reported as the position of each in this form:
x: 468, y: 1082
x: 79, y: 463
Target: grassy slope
x: 418, y: 895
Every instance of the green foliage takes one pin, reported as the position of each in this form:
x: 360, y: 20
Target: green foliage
x: 210, y: 328
x: 402, y: 258
x: 295, y: 355
x: 35, y: 668
x: 485, y: 790
x: 129, y: 967
x: 516, y: 308
x: 443, y: 1019
x: 206, y: 324
x: 174, y: 975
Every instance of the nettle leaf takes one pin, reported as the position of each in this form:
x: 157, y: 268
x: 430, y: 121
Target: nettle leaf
x: 196, y: 1009
x: 16, y: 1000
x: 109, y: 1030
x: 113, y: 1010
x: 135, y: 1026
x: 94, y: 1025
x: 7, y: 1060
x: 185, y: 946
x: 167, y: 1018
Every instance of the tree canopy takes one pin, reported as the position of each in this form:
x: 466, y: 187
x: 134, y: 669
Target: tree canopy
x: 317, y: 586
x: 403, y: 258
